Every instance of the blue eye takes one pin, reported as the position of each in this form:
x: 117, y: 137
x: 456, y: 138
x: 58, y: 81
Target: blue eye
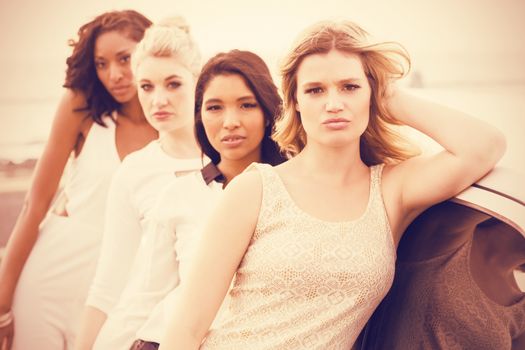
x: 174, y: 84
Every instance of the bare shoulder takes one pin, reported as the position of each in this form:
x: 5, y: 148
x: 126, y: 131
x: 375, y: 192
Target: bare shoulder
x: 249, y: 183
x: 74, y: 101
x: 238, y: 209
x: 392, y: 181
x: 70, y: 111
x: 75, y: 97
x: 243, y: 195
x: 395, y: 176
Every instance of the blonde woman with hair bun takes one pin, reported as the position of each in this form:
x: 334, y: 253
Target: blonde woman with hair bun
x: 166, y: 64
x: 311, y: 243
x: 236, y: 103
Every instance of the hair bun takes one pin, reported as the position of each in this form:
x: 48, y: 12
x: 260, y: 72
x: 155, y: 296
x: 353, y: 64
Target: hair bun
x: 178, y: 22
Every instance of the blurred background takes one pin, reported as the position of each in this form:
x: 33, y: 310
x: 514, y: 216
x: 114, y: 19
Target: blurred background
x: 468, y: 54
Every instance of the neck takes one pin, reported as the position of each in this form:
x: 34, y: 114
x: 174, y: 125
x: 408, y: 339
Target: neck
x: 231, y: 168
x: 335, y: 164
x: 180, y: 143
x: 132, y: 110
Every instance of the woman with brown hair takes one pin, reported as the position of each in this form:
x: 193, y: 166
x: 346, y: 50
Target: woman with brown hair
x: 236, y: 104
x: 311, y: 242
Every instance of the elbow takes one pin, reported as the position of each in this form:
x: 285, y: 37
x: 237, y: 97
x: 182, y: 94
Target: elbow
x: 34, y: 206
x: 496, y: 147
x: 492, y: 148
x: 501, y: 144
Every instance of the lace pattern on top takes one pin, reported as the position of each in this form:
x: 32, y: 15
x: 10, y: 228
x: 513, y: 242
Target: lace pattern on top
x: 304, y: 282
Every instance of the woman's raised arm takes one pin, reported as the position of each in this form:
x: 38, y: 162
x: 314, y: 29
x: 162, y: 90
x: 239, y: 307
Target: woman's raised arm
x: 471, y: 149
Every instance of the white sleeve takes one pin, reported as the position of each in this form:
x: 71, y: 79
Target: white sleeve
x: 121, y: 238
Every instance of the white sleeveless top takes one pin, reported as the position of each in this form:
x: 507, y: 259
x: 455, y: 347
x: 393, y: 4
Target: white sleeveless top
x: 90, y: 175
x: 305, y: 283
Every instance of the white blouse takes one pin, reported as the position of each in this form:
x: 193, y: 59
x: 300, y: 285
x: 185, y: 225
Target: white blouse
x: 162, y: 258
x: 132, y: 194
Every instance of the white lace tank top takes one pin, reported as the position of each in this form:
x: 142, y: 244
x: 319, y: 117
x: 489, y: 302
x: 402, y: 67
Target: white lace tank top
x: 305, y: 283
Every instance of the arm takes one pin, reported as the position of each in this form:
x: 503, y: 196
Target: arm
x: 65, y: 132
x: 221, y: 249
x: 471, y: 149
x: 92, y: 321
x: 121, y: 237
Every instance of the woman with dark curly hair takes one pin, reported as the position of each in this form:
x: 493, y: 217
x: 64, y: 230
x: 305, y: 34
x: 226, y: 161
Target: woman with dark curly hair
x: 51, y: 254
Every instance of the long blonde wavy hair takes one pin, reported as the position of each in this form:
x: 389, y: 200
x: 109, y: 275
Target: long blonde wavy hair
x: 383, y: 63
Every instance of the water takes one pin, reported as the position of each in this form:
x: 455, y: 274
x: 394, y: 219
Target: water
x: 24, y: 128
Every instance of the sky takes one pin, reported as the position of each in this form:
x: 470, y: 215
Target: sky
x: 449, y: 41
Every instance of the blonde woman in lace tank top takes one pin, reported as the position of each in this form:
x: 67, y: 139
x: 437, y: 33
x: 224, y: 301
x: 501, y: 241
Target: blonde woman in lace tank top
x: 311, y: 242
